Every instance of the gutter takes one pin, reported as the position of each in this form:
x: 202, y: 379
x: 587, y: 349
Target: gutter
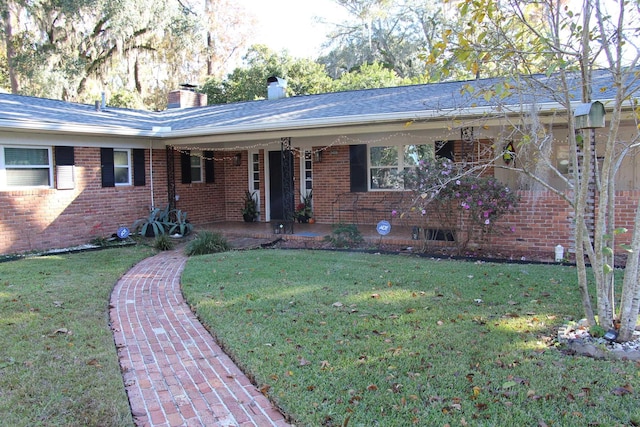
x: 162, y: 132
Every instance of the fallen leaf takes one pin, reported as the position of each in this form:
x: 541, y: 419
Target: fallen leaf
x: 303, y: 361
x: 94, y: 362
x: 372, y: 387
x: 375, y: 295
x: 61, y: 331
x: 337, y: 304
x: 621, y: 391
x: 265, y: 389
x: 324, y: 364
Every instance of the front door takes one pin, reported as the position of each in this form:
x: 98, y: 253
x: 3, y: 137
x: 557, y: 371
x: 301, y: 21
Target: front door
x: 276, y: 190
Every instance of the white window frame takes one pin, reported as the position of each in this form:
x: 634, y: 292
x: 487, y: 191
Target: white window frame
x: 3, y: 167
x: 196, y: 155
x: 398, y: 168
x: 128, y: 166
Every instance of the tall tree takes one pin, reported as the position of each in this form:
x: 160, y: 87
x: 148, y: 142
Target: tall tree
x: 227, y: 31
x: 569, y: 41
x: 9, y: 12
x: 62, y: 46
x: 250, y: 81
x: 396, y: 34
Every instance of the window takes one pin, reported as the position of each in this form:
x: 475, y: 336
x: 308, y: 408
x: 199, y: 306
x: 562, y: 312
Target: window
x: 25, y: 167
x: 386, y: 165
x: 116, y: 165
x: 122, y: 166
x: 196, y: 167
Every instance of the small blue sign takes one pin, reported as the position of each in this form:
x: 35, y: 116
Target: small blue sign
x: 122, y: 233
x: 383, y: 228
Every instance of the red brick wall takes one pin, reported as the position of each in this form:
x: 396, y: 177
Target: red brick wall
x: 44, y: 219
x: 202, y: 201
x: 543, y: 219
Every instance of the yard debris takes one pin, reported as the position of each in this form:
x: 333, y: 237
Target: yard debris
x: 60, y: 331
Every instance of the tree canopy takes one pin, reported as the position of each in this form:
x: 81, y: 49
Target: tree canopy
x: 563, y: 40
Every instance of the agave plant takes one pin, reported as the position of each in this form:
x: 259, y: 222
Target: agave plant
x: 153, y: 225
x: 179, y: 224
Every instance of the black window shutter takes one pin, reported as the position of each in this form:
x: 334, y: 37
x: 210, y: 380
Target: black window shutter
x: 64, y: 156
x: 358, y: 167
x: 185, y: 165
x: 106, y: 163
x: 208, y: 166
x: 138, y: 167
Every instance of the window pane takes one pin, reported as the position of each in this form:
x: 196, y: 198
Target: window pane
x: 384, y: 156
x: 27, y: 177
x: 26, y: 156
x: 414, y: 153
x: 196, y: 174
x: 195, y: 161
x: 120, y: 158
x: 384, y: 179
x: 122, y: 175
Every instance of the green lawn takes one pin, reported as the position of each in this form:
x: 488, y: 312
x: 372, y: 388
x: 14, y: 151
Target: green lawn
x: 338, y: 338
x: 58, y: 362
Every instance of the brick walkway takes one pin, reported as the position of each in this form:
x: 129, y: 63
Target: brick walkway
x: 174, y: 372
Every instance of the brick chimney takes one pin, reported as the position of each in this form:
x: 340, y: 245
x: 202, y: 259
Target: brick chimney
x: 186, y: 97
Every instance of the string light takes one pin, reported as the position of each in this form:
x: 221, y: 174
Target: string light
x: 341, y: 140
x: 451, y: 133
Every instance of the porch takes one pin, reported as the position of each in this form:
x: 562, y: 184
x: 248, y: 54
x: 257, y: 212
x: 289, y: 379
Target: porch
x: 247, y: 234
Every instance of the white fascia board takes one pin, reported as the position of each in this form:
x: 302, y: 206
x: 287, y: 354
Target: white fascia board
x: 361, y: 120
x: 69, y: 128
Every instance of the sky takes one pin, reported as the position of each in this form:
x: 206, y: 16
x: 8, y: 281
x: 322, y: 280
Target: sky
x: 289, y: 24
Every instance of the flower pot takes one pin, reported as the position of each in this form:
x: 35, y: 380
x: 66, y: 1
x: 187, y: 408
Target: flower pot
x: 248, y: 218
x: 312, y: 220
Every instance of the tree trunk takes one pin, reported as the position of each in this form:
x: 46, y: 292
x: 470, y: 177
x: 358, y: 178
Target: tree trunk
x: 11, y: 53
x: 630, y: 298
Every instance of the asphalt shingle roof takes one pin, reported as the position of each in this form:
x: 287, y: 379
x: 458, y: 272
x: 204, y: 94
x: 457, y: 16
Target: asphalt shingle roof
x: 329, y: 107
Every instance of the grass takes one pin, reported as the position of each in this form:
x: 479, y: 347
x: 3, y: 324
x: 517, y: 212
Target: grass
x: 58, y: 363
x: 336, y: 339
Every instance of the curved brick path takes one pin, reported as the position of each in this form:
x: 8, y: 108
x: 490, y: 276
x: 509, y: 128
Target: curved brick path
x: 174, y: 372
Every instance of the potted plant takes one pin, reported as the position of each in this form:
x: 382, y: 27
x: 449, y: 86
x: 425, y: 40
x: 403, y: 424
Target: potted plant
x: 303, y: 211
x: 250, y: 210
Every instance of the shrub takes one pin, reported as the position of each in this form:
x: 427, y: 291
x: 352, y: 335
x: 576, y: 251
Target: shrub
x: 207, y: 242
x: 463, y: 202
x: 345, y: 236
x: 163, y: 243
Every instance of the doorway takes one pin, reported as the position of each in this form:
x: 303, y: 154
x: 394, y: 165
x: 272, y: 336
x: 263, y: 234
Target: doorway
x: 276, y: 190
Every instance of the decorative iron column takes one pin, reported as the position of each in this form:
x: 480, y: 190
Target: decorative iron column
x: 171, y: 177
x: 288, y: 195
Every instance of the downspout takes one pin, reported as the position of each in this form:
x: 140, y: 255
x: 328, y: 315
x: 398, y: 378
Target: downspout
x: 151, y: 171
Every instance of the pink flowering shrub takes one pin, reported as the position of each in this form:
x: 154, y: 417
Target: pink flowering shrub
x: 462, y: 201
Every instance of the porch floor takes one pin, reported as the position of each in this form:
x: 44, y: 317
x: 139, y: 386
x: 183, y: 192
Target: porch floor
x: 263, y: 232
